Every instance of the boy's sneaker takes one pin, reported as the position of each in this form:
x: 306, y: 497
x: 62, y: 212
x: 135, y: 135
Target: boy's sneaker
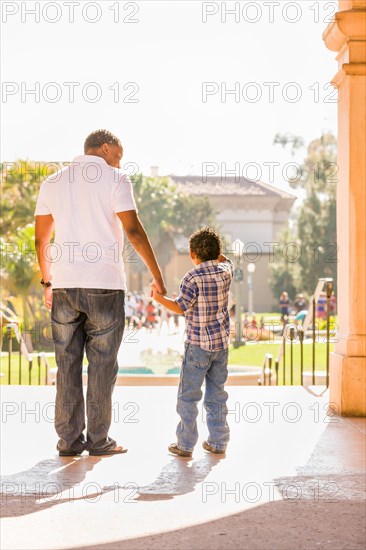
x: 212, y: 449
x: 173, y: 448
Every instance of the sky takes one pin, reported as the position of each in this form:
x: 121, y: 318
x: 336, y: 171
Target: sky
x: 155, y: 73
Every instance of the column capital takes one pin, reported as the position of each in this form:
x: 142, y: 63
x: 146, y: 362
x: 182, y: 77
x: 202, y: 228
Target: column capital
x: 347, y: 36
x: 348, y: 25
x: 351, y: 5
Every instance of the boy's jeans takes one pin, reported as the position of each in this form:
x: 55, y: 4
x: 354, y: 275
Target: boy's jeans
x: 90, y: 319
x: 199, y: 365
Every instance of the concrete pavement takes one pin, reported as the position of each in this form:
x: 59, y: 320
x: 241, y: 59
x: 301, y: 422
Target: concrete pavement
x: 292, y: 477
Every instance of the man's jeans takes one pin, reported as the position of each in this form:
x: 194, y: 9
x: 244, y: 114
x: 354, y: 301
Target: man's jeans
x: 94, y: 320
x: 211, y: 366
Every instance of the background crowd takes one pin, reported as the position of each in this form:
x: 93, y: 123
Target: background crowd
x: 143, y: 311
x: 300, y: 307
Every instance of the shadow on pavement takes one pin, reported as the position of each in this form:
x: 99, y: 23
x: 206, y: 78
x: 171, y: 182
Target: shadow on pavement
x: 43, y: 485
x: 178, y: 477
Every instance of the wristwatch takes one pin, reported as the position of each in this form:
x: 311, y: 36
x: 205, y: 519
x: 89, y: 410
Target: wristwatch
x: 46, y: 285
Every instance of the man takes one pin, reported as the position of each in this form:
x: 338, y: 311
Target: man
x: 84, y: 284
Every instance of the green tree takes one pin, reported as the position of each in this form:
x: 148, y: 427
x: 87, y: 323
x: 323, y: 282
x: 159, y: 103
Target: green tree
x: 295, y: 142
x: 20, y: 182
x: 284, y: 271
x: 19, y: 261
x: 316, y: 231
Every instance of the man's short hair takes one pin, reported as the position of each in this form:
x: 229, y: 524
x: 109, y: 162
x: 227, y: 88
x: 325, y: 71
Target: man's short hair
x: 206, y: 244
x: 97, y: 138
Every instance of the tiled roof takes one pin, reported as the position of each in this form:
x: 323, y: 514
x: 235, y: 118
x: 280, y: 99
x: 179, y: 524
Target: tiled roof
x: 195, y: 185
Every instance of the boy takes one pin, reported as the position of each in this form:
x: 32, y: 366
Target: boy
x: 203, y: 299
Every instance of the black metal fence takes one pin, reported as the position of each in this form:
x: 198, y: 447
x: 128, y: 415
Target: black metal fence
x: 27, y: 361
x: 294, y: 336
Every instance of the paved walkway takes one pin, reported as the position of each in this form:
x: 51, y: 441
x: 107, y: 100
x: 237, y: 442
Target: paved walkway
x: 292, y: 477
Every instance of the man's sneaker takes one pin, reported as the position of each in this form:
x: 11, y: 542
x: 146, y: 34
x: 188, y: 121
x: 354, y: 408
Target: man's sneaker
x: 173, y: 448
x: 212, y: 449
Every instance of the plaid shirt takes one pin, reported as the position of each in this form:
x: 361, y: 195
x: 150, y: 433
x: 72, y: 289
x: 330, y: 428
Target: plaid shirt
x: 204, y: 299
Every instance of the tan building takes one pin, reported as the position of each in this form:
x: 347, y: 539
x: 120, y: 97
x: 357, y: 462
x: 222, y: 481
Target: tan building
x: 252, y: 211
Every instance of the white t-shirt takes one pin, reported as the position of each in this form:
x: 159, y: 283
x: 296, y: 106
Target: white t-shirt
x: 84, y: 199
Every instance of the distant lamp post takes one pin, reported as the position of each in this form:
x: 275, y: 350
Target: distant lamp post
x: 251, y: 270
x: 238, y: 280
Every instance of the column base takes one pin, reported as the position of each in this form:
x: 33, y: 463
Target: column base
x: 347, y: 384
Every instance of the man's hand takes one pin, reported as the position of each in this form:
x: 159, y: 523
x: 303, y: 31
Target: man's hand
x: 159, y: 285
x: 48, y: 296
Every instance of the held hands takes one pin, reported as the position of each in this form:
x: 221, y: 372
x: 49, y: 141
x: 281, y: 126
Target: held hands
x: 159, y: 286
x: 166, y: 302
x: 154, y: 293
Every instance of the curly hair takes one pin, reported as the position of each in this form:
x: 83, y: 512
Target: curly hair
x: 206, y: 244
x: 97, y: 138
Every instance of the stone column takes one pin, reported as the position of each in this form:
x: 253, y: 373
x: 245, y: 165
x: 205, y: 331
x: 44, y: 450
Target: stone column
x: 347, y: 36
